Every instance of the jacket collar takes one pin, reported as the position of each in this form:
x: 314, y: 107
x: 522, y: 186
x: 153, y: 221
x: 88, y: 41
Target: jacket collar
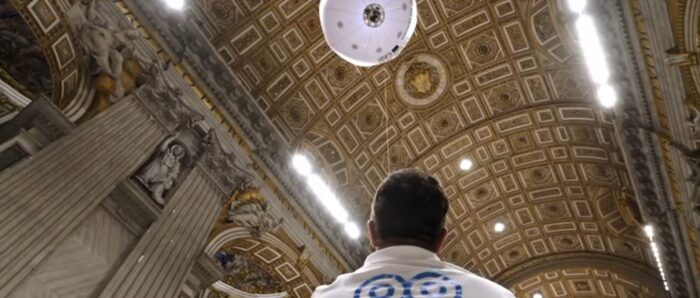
x: 400, y: 252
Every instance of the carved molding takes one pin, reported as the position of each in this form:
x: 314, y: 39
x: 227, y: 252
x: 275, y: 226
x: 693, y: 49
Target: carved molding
x: 648, y: 176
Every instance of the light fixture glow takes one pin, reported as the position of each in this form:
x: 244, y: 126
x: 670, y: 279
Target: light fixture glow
x: 175, y: 4
x: 499, y: 227
x: 592, y: 50
x: 333, y: 205
x: 324, y: 194
x: 577, y: 6
x: 466, y: 164
x: 537, y: 295
x: 649, y: 230
x: 318, y: 186
x: 352, y: 230
x: 607, y: 95
x: 327, y: 198
x: 302, y: 165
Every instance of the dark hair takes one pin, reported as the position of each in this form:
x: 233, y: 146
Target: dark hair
x: 409, y: 205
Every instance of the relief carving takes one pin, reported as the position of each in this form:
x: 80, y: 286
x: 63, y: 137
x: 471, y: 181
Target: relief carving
x: 224, y: 167
x: 167, y: 101
x: 677, y: 57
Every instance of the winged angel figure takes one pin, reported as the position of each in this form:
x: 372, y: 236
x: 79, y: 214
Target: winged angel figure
x: 108, y: 45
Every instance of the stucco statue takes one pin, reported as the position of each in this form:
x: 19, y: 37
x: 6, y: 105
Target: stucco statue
x: 109, y: 46
x: 253, y: 215
x: 162, y: 172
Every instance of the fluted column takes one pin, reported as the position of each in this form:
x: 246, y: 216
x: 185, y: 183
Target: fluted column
x: 166, y: 253
x: 44, y: 197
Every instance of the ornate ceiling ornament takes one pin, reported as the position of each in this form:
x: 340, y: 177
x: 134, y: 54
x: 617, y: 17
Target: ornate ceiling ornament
x: 421, y: 80
x: 223, y: 12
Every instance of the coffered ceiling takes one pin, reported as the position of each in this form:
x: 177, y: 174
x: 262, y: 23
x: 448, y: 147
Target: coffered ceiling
x: 500, y: 82
x: 583, y: 282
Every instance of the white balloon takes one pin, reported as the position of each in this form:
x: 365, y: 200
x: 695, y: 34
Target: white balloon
x: 367, y: 33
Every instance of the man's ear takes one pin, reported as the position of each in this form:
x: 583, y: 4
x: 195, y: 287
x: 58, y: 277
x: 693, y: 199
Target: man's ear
x: 440, y: 240
x: 371, y: 231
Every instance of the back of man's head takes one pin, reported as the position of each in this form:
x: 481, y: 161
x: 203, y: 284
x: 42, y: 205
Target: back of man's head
x: 409, y: 208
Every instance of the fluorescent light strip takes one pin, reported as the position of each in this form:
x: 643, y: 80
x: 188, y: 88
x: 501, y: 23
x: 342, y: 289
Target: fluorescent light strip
x: 593, y: 54
x: 325, y: 195
x: 175, y: 4
x: 577, y: 6
x: 649, y: 231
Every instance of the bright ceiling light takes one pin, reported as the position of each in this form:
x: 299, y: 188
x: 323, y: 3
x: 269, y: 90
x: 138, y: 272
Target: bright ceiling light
x: 324, y: 194
x: 367, y: 33
x: 352, y: 230
x: 327, y: 198
x: 175, y: 4
x: 333, y: 206
x: 318, y: 186
x: 577, y: 6
x: 499, y: 227
x: 592, y: 50
x: 466, y: 164
x: 607, y: 96
x: 302, y: 165
x: 649, y: 230
x: 537, y: 295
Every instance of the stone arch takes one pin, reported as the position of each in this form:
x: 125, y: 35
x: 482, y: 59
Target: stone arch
x: 70, y: 83
x: 273, y: 254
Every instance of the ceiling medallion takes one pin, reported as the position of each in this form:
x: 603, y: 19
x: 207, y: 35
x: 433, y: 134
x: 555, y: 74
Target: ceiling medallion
x: 221, y: 12
x: 421, y: 80
x: 368, y: 34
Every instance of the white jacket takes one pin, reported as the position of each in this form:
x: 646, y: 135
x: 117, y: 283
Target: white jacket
x: 410, y: 272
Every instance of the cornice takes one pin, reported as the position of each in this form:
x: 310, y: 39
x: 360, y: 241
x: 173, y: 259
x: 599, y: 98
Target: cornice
x: 642, y: 148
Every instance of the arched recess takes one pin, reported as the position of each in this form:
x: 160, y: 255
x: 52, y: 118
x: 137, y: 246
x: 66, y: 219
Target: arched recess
x: 277, y: 258
x: 545, y: 273
x: 691, y: 24
x: 46, y: 58
x: 333, y: 162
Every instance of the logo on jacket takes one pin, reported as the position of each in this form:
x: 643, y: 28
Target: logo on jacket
x: 426, y: 284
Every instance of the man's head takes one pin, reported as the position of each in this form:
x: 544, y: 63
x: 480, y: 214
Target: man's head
x: 409, y: 208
